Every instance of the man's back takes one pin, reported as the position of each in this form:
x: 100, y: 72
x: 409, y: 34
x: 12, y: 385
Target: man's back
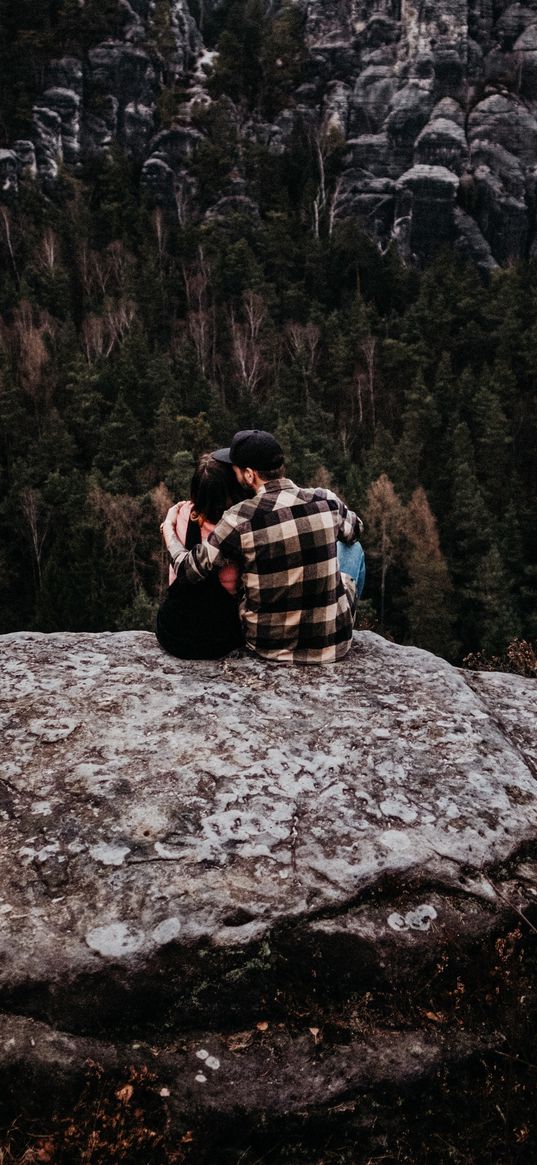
x: 296, y: 606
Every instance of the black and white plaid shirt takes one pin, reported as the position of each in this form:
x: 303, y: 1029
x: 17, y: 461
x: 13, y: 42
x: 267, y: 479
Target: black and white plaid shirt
x: 296, y: 606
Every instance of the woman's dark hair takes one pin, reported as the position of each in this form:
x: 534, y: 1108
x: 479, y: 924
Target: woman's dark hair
x: 213, y: 489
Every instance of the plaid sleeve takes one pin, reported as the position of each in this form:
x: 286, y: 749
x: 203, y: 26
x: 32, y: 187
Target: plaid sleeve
x: 221, y: 547
x: 350, y: 525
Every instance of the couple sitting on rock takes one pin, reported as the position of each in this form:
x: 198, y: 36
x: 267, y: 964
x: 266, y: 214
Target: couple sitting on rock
x: 277, y: 572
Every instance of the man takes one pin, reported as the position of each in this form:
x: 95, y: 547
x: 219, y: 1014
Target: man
x: 298, y: 605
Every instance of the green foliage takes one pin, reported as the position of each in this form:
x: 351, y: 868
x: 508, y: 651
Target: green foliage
x: 282, y: 58
x: 118, y: 454
x: 237, y: 73
x: 217, y: 154
x: 261, y: 55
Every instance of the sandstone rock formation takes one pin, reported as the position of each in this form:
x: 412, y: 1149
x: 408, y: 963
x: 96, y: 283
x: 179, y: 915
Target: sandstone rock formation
x: 404, y: 84
x: 452, y: 87
x: 190, y: 848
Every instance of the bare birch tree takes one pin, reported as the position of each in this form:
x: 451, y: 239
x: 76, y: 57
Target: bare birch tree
x: 31, y: 326
x: 47, y: 255
x: 121, y: 518
x: 37, y: 520
x: 6, y: 224
x: 201, y: 316
x: 247, y: 343
x: 368, y: 350
x: 303, y: 342
x: 384, y: 523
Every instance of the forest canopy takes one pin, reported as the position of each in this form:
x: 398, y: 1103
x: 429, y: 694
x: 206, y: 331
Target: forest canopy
x: 129, y: 346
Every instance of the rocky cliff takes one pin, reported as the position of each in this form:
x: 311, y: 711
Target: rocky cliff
x: 435, y: 107
x: 275, y: 889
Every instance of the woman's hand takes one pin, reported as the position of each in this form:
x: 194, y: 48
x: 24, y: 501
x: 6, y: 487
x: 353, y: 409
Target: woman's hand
x: 168, y: 526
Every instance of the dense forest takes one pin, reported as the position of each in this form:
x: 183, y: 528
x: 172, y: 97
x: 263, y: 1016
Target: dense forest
x: 130, y: 343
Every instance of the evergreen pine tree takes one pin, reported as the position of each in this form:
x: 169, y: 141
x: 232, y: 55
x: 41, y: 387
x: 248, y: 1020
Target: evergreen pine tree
x: 493, y: 445
x: 499, y: 622
x: 166, y: 436
x: 417, y: 454
x: 379, y: 457
x: 444, y: 391
x: 15, y: 427
x: 470, y: 537
x: 85, y: 408
x: 118, y: 453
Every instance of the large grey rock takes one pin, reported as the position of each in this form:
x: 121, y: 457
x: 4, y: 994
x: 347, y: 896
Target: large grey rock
x: 371, y: 152
x: 502, y: 163
x: 335, y: 114
x: 379, y: 30
x: 133, y: 26
x: 410, y: 109
x: 481, y: 19
x: 8, y: 173
x: 244, y: 882
x: 443, y: 143
x: 125, y: 74
x: 525, y: 52
x: 426, y: 200
x: 506, y: 122
x: 186, y: 36
x: 66, y: 103
x: 450, y: 109
x: 279, y: 134
x: 368, y: 199
x: 370, y: 103
x: 165, y: 174
x: 329, y: 23
x: 160, y: 181
x: 513, y: 22
x: 435, y: 41
x: 502, y: 217
x: 152, y: 805
x: 47, y: 130
x: 25, y: 154
x: 176, y: 145
x: 471, y: 244
x: 501, y: 201
x: 121, y: 69
x: 99, y: 131
x: 66, y: 73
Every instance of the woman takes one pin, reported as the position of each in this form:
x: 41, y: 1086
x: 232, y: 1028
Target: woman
x: 201, y: 620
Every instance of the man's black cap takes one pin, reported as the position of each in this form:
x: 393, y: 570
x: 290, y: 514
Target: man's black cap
x: 253, y: 449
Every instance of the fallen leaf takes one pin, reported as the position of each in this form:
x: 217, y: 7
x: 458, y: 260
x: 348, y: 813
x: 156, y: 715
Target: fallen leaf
x: 436, y: 1016
x: 263, y: 1026
x: 124, y: 1094
x: 240, y: 1040
x: 188, y: 1137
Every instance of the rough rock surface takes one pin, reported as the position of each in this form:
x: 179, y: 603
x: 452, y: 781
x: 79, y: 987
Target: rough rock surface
x: 403, y: 84
x: 8, y: 173
x: 189, y: 847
